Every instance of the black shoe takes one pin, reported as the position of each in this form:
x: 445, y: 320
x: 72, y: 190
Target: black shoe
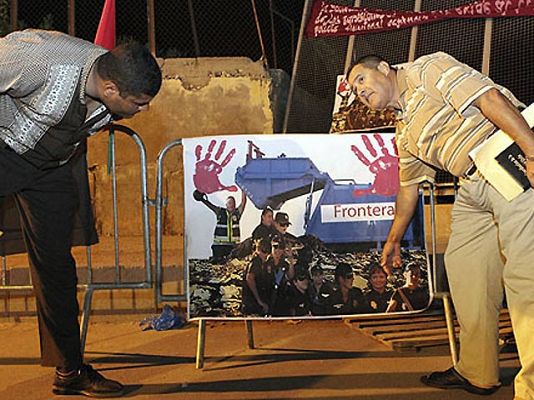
x: 450, y: 379
x: 86, y: 381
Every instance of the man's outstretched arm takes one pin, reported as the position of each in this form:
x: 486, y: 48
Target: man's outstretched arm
x: 241, y: 207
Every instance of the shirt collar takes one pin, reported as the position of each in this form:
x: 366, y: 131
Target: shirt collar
x: 91, y: 59
x: 403, y: 87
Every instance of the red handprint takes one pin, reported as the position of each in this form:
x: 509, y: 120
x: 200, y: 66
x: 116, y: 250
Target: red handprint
x: 385, y: 167
x: 344, y: 90
x: 207, y: 171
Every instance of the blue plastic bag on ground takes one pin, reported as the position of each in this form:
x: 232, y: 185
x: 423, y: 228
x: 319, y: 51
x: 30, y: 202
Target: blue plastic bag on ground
x: 170, y: 318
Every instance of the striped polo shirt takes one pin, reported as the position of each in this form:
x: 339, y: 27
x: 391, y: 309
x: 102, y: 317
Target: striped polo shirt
x: 438, y: 124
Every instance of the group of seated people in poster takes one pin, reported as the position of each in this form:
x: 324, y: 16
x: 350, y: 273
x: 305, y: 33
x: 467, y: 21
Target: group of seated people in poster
x: 277, y: 285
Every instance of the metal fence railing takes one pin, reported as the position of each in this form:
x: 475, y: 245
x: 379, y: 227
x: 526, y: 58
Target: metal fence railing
x: 160, y: 203
x: 118, y: 282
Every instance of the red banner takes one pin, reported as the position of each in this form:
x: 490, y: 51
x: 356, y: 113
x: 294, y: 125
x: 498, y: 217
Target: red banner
x: 333, y: 20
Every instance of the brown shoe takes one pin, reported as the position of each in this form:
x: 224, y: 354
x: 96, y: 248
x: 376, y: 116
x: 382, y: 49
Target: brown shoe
x: 88, y: 382
x: 451, y: 379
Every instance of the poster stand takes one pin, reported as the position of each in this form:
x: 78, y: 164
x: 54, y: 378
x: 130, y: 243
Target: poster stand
x: 201, y: 340
x: 447, y: 307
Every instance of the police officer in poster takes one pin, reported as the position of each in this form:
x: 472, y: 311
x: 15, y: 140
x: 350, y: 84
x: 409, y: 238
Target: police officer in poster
x: 297, y: 297
x: 319, y: 291
x: 258, y: 284
x: 345, y: 298
x: 378, y: 295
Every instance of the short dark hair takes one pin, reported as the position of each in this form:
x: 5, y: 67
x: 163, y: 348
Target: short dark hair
x: 266, y: 210
x: 368, y: 61
x: 316, y: 270
x: 376, y: 269
x: 343, y: 269
x: 301, y: 272
x: 264, y: 246
x: 412, y: 266
x: 132, y: 68
x: 279, y: 242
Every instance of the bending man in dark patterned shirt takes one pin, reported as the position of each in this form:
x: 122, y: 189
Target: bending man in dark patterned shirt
x: 56, y: 90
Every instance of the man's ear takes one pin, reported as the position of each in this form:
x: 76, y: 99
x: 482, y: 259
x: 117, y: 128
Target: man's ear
x: 110, y: 88
x: 383, y: 67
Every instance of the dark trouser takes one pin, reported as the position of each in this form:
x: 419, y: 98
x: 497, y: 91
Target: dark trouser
x: 47, y: 201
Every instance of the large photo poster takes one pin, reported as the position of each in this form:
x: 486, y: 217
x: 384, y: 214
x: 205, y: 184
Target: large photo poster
x: 291, y: 226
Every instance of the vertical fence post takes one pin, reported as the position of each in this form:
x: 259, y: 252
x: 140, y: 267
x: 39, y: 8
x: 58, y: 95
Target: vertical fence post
x: 72, y: 17
x: 273, y: 35
x: 305, y: 15
x: 415, y: 32
x: 486, y: 55
x: 193, y: 27
x: 151, y: 26
x: 350, y: 46
x: 14, y: 14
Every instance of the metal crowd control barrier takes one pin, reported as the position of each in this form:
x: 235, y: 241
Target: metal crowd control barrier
x: 145, y: 202
x: 161, y: 202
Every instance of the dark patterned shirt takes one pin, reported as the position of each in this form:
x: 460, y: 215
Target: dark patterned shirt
x: 42, y: 95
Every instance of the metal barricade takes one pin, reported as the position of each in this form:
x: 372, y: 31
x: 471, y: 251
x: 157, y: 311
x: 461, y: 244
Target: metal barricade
x: 161, y: 202
x: 145, y: 202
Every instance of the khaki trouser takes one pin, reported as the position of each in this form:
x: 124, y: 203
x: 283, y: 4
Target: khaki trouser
x: 492, y: 242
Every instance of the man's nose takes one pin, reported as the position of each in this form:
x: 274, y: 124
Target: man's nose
x: 144, y: 107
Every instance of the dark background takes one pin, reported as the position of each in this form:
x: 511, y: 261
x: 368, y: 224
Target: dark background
x: 224, y: 28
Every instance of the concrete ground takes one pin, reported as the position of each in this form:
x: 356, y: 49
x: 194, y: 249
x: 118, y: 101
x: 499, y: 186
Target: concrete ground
x: 308, y: 360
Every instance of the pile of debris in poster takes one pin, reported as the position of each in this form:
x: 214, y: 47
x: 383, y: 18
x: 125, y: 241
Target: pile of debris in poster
x: 216, y: 289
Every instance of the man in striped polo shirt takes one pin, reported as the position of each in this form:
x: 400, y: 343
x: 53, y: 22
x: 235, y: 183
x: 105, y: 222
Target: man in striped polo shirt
x: 445, y: 109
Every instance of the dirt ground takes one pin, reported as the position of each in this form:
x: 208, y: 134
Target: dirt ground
x: 308, y: 360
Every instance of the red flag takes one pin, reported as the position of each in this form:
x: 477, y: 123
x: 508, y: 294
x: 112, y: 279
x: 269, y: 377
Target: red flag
x: 105, y: 34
